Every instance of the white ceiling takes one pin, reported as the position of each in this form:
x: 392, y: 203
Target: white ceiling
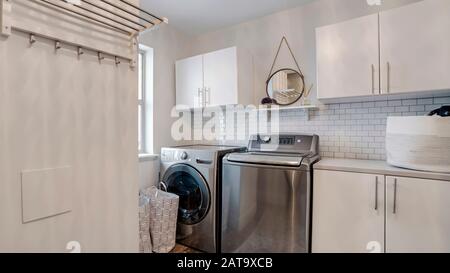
x: 199, y: 16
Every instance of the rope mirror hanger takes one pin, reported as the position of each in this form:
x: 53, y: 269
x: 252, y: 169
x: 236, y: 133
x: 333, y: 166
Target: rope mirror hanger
x: 287, y: 96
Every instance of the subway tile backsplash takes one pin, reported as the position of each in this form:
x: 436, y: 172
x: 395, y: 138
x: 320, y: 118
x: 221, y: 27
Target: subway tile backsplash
x: 352, y: 130
x: 355, y: 130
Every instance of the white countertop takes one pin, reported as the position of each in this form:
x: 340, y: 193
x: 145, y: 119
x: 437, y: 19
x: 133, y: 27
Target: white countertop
x: 375, y: 167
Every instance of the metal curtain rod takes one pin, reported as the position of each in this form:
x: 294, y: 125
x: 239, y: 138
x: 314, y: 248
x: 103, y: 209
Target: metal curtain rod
x: 141, y: 10
x: 103, y: 16
x: 127, y: 11
x: 114, y: 13
x: 88, y: 17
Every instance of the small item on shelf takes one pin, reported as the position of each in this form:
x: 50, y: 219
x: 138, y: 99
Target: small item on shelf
x: 268, y: 100
x: 444, y: 111
x: 306, y: 101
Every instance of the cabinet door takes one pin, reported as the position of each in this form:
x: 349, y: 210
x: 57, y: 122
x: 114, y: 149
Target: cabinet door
x: 417, y: 215
x: 221, y: 78
x: 348, y: 212
x: 348, y: 58
x: 415, y: 44
x: 189, y: 82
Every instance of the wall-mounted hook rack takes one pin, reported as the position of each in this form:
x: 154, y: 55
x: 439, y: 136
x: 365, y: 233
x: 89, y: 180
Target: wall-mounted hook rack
x: 117, y: 20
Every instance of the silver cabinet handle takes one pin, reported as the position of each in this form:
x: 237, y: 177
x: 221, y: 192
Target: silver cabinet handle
x: 394, y: 206
x: 204, y: 96
x: 207, y: 96
x: 372, y: 67
x: 200, y: 97
x: 388, y: 78
x: 376, y: 193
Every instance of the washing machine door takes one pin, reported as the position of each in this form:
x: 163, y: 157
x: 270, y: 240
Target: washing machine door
x: 186, y: 182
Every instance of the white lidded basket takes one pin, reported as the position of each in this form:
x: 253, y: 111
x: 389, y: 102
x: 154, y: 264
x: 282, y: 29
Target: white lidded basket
x: 419, y: 143
x: 163, y: 213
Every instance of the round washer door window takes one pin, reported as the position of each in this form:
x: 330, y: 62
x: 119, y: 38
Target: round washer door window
x: 191, y: 187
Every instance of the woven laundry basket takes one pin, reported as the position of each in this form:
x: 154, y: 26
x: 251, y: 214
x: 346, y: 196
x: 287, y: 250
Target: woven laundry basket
x: 145, y: 241
x: 163, y: 211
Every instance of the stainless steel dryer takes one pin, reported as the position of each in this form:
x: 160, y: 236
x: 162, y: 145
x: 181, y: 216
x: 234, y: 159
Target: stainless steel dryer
x: 193, y: 173
x: 266, y: 195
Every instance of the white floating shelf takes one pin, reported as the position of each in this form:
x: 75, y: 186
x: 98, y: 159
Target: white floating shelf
x: 306, y: 108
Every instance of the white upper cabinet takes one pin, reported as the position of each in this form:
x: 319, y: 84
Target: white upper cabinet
x: 417, y: 215
x: 347, y: 58
x: 189, y: 82
x: 221, y: 77
x: 403, y: 50
x: 348, y: 212
x: 415, y: 47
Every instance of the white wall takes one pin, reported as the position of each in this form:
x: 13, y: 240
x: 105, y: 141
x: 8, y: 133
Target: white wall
x: 262, y: 36
x: 57, y: 110
x: 168, y: 45
x: 148, y: 172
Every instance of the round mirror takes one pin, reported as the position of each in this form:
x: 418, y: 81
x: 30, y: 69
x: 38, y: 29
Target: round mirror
x: 286, y: 86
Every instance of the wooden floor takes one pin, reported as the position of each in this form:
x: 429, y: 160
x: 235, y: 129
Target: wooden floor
x: 184, y: 249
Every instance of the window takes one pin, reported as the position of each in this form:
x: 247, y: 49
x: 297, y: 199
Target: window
x: 145, y: 100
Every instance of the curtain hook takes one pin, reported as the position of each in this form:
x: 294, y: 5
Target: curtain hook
x: 132, y: 64
x: 32, y: 39
x: 57, y: 45
x: 100, y: 57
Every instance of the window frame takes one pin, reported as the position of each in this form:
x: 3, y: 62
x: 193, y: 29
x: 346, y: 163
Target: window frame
x: 142, y: 103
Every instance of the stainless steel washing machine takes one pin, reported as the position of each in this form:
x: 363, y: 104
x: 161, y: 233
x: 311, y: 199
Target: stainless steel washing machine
x: 194, y: 174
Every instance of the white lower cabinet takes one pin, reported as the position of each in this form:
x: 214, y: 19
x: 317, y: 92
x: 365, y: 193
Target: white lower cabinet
x: 348, y: 212
x: 417, y: 215
x: 410, y: 215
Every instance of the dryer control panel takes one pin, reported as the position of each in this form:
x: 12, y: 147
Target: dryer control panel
x: 169, y: 155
